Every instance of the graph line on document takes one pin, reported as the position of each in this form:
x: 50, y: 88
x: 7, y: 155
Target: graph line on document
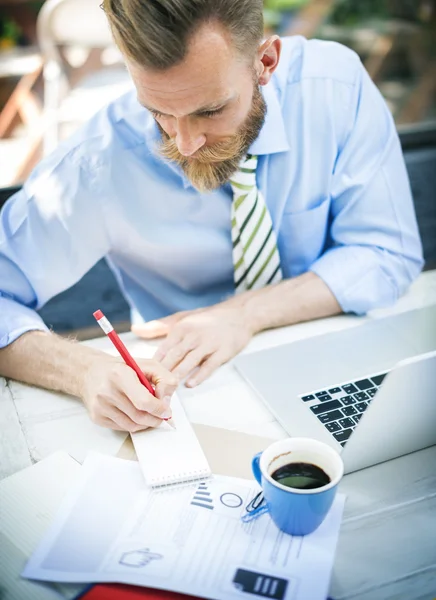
x: 220, y: 572
x: 288, y: 551
x: 211, y: 530
x: 275, y: 551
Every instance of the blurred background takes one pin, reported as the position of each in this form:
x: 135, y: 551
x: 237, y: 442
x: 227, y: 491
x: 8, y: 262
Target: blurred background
x: 58, y: 64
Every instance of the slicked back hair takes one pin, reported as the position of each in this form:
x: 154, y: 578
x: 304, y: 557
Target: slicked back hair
x: 155, y: 34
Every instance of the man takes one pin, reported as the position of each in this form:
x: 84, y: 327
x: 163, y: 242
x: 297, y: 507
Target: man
x: 244, y: 184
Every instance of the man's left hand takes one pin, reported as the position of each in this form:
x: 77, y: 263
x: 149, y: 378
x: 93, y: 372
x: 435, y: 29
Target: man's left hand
x: 203, y: 338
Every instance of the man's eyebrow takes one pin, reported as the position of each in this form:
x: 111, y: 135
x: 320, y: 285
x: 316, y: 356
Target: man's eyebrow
x: 204, y: 109
x: 212, y: 107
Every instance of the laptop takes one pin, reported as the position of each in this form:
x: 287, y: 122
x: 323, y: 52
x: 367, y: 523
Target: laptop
x: 368, y: 391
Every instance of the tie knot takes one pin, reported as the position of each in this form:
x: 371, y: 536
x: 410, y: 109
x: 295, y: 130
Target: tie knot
x: 244, y: 180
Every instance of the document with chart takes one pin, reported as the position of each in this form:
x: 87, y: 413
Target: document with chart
x: 189, y: 539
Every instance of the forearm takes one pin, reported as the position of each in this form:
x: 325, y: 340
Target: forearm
x: 49, y: 361
x: 292, y: 301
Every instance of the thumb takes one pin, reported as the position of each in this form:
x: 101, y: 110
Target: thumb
x: 158, y: 327
x: 164, y: 381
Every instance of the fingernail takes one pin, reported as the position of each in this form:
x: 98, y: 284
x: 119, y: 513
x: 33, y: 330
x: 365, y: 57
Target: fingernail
x: 191, y: 382
x: 166, y: 415
x: 166, y: 400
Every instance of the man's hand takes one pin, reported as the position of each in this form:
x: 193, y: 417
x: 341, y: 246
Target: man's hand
x: 116, y: 399
x: 208, y: 337
x: 204, y: 338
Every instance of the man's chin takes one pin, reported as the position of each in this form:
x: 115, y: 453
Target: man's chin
x: 204, y: 187
x: 209, y: 177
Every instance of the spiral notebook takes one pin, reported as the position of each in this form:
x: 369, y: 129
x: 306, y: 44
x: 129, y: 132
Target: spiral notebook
x: 169, y: 456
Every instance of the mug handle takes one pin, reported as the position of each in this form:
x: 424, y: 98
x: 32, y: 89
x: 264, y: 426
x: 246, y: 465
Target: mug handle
x: 255, y: 467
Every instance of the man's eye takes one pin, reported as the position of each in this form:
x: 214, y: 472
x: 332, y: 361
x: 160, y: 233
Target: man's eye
x: 212, y: 113
x: 206, y: 113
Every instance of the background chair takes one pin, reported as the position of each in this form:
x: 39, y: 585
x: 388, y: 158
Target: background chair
x: 21, y: 112
x: 83, y: 70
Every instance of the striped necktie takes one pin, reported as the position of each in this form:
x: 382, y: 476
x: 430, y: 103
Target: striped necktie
x: 256, y: 259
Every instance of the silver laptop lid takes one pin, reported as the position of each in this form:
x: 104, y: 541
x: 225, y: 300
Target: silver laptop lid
x: 401, y: 419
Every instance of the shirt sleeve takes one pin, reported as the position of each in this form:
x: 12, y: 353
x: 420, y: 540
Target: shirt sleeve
x: 375, y: 250
x: 51, y: 233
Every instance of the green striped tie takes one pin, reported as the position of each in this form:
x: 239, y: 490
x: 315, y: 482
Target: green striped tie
x: 255, y: 256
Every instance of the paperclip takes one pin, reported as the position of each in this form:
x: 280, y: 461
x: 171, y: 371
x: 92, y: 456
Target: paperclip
x: 255, y: 503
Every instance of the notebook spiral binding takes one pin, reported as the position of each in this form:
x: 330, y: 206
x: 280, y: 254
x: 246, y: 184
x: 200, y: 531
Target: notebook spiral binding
x: 183, y: 478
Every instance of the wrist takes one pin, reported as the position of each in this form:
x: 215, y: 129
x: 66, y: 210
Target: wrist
x: 251, y: 307
x: 91, y: 362
x: 259, y: 312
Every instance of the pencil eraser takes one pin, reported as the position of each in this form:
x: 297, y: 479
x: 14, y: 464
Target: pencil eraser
x: 98, y: 315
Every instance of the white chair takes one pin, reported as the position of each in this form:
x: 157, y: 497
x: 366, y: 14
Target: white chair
x: 74, y: 37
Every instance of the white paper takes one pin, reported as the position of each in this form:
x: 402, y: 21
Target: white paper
x: 51, y: 422
x: 169, y: 455
x: 225, y: 400
x: 28, y: 501
x: 188, y: 539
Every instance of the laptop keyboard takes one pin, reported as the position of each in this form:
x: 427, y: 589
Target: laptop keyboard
x: 340, y: 408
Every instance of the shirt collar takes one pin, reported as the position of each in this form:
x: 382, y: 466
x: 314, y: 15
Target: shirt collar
x: 272, y: 137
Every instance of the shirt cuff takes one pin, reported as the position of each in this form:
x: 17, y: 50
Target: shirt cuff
x: 16, y: 319
x: 361, y: 278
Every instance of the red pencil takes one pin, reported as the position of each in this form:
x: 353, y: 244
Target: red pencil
x: 125, y: 354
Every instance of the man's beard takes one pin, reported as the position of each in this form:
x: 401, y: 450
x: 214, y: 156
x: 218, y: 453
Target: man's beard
x: 214, y: 165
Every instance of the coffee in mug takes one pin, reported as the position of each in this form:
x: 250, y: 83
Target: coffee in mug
x: 301, y: 476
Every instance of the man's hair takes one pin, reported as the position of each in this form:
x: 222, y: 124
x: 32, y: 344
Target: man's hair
x: 155, y: 34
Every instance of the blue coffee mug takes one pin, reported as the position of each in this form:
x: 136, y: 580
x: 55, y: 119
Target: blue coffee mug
x: 298, y: 511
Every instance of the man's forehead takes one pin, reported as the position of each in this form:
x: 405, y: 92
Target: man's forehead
x: 210, y: 73
x: 173, y: 96
x: 179, y: 101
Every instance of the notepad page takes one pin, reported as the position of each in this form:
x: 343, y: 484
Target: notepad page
x: 169, y: 455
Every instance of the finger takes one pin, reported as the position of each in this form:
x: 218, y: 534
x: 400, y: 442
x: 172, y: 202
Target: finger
x: 175, y: 348
x: 109, y: 424
x: 164, y: 381
x: 206, y: 369
x: 191, y: 361
x: 158, y: 327
x: 141, y: 398
x: 151, y: 330
x: 139, y: 417
x: 123, y: 421
x: 172, y: 340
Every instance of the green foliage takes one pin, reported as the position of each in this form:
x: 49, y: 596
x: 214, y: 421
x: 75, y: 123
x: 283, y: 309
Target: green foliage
x: 284, y: 4
x: 10, y: 32
x: 351, y: 12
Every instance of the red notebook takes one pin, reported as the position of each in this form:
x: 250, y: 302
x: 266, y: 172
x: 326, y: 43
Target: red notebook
x: 109, y: 591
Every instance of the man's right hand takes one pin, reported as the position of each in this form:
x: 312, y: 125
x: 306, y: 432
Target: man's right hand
x: 115, y: 398
x: 110, y: 390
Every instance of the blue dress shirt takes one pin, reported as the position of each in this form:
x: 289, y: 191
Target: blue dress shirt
x: 330, y: 169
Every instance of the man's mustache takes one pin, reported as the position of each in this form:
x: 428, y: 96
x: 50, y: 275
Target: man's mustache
x: 215, y: 153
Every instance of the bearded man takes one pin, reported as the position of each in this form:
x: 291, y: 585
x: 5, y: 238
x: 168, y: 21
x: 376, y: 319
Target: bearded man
x: 244, y: 184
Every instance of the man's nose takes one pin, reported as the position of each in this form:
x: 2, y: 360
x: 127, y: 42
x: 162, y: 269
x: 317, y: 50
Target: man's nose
x: 188, y: 139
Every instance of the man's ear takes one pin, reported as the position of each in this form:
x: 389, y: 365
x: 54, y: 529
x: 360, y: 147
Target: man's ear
x: 268, y: 56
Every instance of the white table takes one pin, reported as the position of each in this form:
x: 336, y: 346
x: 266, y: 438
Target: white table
x: 387, y: 546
